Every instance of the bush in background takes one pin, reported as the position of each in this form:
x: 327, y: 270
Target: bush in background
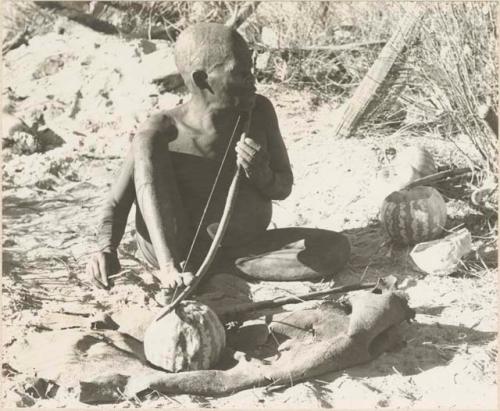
x: 439, y: 85
x: 455, y: 74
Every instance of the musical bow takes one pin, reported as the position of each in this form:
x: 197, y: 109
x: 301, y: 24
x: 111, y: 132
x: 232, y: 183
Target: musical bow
x: 223, y: 224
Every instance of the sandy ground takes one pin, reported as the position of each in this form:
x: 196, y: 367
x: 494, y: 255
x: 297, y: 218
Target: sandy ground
x: 51, y: 206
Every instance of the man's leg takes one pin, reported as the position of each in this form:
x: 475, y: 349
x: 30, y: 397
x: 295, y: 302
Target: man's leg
x: 291, y: 254
x: 161, y: 220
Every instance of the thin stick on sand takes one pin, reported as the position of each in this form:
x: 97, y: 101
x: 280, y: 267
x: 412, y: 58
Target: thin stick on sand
x: 232, y: 313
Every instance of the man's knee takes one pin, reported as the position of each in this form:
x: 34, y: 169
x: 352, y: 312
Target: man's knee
x: 329, y: 249
x: 341, y: 248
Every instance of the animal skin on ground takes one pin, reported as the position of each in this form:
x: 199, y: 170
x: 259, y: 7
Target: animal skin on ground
x: 109, y: 366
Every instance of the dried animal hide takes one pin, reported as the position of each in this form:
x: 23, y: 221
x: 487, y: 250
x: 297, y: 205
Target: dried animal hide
x: 110, y: 366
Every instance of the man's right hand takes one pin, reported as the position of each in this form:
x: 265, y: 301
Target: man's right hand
x: 171, y: 278
x: 101, y: 266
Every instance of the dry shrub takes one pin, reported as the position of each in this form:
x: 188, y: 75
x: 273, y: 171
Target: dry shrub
x: 439, y: 84
x: 19, y: 16
x: 298, y: 25
x: 169, y: 17
x: 443, y: 80
x: 455, y: 74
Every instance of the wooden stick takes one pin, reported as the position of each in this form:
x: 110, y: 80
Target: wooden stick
x: 376, y: 76
x: 17, y: 41
x: 242, y: 14
x: 434, y: 178
x: 119, y: 274
x: 232, y: 313
x: 333, y: 49
x: 76, y: 12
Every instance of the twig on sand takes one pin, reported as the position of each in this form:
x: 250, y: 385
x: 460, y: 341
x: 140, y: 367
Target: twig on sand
x: 234, y: 312
x: 119, y: 274
x: 63, y: 311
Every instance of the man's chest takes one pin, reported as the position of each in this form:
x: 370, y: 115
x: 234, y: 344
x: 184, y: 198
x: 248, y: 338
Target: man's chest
x: 214, y: 146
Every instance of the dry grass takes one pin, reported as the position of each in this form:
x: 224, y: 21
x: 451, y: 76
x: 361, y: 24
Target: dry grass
x: 300, y: 25
x: 457, y: 73
x: 171, y: 17
x: 25, y: 16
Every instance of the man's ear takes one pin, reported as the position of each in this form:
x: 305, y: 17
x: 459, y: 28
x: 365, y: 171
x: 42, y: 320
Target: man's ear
x: 200, y: 79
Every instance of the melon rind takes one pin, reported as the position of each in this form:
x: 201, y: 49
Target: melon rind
x: 187, y: 339
x: 414, y: 215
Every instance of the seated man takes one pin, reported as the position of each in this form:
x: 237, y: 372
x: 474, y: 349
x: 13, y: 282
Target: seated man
x: 172, y: 164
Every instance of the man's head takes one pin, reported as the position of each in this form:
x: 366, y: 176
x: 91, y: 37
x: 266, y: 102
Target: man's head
x: 215, y: 62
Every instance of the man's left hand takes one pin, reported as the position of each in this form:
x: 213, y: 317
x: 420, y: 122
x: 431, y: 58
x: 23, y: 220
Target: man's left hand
x: 254, y: 160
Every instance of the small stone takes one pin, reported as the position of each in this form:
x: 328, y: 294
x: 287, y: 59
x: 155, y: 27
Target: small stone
x: 101, y: 321
x: 146, y: 46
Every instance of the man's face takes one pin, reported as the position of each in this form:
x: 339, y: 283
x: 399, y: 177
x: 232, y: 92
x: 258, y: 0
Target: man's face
x: 232, y: 83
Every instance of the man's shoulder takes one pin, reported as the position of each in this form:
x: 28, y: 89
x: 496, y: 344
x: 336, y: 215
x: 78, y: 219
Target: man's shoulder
x: 169, y: 117
x: 264, y: 110
x: 263, y: 104
x: 164, y: 120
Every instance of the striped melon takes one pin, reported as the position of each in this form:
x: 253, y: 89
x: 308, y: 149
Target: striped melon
x: 414, y: 215
x: 189, y: 338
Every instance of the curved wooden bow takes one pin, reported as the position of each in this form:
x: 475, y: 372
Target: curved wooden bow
x: 221, y: 230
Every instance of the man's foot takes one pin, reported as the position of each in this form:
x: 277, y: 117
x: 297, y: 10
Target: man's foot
x: 164, y: 296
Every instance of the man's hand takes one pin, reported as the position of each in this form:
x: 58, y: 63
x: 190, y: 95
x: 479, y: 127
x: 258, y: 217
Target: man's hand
x: 255, y: 162
x: 101, y: 266
x: 171, y: 278
x: 171, y: 281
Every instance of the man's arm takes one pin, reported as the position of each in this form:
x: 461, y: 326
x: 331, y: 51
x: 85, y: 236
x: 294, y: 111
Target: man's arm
x: 116, y: 208
x: 122, y: 194
x: 158, y: 196
x: 112, y: 226
x: 280, y: 186
x: 269, y: 171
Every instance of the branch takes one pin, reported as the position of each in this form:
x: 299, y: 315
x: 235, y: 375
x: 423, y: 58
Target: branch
x: 436, y: 177
x: 92, y: 16
x: 17, y: 41
x: 235, y: 312
x: 77, y: 14
x: 242, y: 14
x: 378, y: 73
x: 332, y: 49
